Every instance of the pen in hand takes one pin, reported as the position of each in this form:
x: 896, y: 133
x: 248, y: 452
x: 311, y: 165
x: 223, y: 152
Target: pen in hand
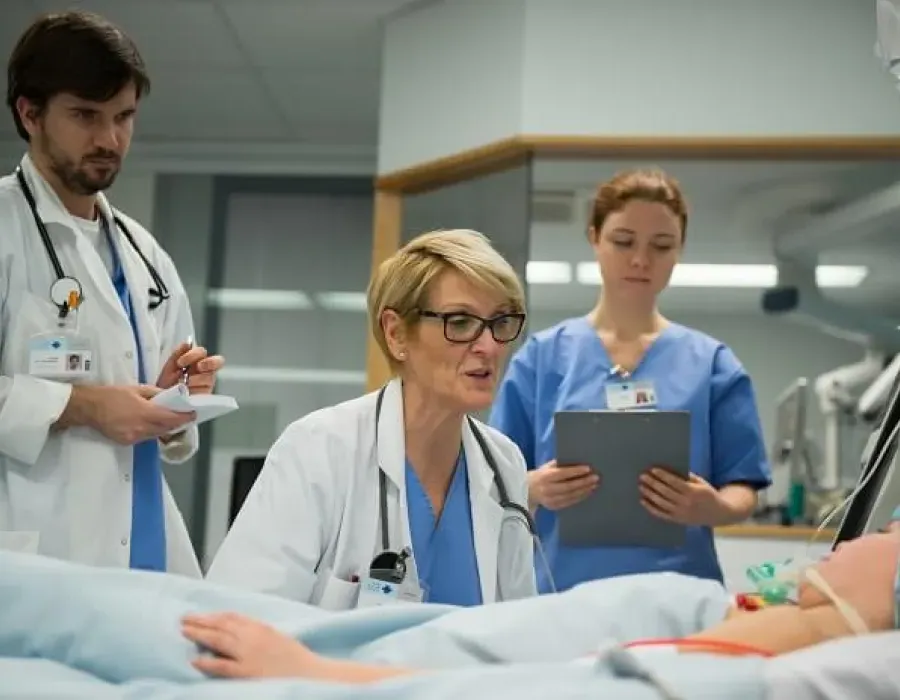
x: 185, y: 371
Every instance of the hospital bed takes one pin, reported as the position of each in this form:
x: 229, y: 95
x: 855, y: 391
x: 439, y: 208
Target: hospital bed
x: 78, y: 633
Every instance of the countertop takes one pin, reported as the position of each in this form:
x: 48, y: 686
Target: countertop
x: 775, y: 532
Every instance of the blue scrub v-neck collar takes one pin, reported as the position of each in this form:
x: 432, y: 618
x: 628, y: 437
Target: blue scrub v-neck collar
x: 657, y: 346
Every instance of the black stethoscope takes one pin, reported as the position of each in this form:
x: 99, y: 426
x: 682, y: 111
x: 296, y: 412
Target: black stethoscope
x: 390, y: 565
x: 65, y: 287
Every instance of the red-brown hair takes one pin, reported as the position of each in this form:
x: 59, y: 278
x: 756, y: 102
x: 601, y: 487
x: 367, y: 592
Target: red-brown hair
x: 651, y: 185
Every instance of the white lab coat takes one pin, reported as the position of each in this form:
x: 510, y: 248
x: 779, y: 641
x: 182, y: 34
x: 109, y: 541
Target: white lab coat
x: 68, y: 494
x: 310, y: 524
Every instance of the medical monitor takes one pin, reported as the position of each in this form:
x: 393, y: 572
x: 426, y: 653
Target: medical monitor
x: 244, y: 475
x: 789, y: 446
x: 878, y: 487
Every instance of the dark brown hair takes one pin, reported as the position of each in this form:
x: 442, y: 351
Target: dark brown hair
x: 651, y: 185
x: 74, y: 52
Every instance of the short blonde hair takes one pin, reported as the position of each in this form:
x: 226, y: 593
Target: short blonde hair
x: 402, y: 282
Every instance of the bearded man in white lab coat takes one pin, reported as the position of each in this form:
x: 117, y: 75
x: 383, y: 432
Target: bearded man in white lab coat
x: 81, y: 442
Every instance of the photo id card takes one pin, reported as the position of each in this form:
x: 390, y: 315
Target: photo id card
x: 60, y: 356
x: 630, y: 396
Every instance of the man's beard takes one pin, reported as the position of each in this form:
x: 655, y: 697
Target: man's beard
x: 79, y: 181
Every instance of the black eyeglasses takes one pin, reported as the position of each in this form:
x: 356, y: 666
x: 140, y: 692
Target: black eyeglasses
x: 460, y: 327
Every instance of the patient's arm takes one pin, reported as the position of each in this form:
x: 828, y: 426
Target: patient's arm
x: 780, y: 629
x: 245, y: 648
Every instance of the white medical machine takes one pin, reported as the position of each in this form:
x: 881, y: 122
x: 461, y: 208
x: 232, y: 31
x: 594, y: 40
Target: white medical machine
x: 877, y: 494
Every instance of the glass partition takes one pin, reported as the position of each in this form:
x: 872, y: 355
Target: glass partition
x: 287, y: 309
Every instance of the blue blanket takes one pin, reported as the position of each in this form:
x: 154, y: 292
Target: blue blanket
x: 69, y: 631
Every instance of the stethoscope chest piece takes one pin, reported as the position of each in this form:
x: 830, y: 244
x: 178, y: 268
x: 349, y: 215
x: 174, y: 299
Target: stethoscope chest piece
x: 390, y: 566
x: 67, y: 294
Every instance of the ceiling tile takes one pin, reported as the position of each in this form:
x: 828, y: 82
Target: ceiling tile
x: 170, y: 32
x: 210, y: 105
x: 324, y: 95
x: 296, y: 35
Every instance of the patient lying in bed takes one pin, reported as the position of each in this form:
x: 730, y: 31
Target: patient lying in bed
x: 119, y: 627
x: 853, y: 591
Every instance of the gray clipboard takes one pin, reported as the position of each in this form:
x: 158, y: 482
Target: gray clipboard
x: 620, y: 446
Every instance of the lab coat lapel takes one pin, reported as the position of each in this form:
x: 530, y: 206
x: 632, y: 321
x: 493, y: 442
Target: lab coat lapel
x: 487, y: 515
x: 392, y: 461
x: 136, y: 277
x: 55, y: 216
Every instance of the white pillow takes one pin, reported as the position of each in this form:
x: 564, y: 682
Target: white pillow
x: 855, y: 667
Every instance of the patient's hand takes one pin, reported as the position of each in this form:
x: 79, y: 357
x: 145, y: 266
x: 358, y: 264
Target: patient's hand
x: 246, y: 648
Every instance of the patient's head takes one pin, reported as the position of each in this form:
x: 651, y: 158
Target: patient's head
x: 864, y: 573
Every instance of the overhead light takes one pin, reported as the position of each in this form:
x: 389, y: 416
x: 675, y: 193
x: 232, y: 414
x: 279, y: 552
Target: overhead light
x: 548, y: 272
x: 258, y: 299
x: 841, y: 275
x: 725, y: 276
x: 342, y: 301
x: 290, y: 375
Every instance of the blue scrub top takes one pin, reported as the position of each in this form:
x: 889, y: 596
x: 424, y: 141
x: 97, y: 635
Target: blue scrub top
x: 566, y: 367
x: 444, y: 549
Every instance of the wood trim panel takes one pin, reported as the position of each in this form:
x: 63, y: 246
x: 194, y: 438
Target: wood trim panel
x: 506, y: 153
x: 717, y: 148
x: 459, y: 167
x: 386, y: 236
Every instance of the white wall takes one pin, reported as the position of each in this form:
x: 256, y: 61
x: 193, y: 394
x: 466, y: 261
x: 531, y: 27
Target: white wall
x: 705, y: 67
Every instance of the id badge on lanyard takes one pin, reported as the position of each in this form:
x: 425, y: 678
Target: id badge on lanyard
x: 631, y: 396
x: 62, y: 354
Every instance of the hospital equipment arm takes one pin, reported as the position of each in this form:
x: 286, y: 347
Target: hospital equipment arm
x: 873, y: 399
x: 837, y: 392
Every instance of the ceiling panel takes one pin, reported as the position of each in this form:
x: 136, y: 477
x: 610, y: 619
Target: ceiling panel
x: 305, y: 37
x: 306, y: 96
x: 339, y: 107
x: 170, y: 32
x: 210, y: 105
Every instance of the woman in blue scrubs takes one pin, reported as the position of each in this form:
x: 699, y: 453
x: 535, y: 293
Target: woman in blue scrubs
x: 637, y: 233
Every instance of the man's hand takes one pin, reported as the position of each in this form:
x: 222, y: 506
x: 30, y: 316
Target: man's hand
x: 202, y: 369
x: 125, y: 414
